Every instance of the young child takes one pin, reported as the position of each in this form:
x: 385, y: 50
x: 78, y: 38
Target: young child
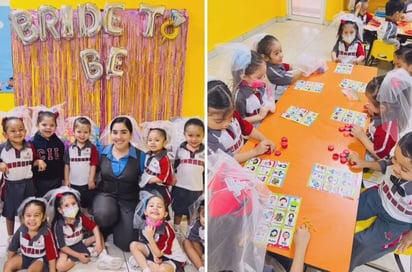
x: 49, y: 149
x: 408, y: 11
x: 389, y: 30
x: 280, y: 74
x: 68, y: 224
x: 249, y: 73
x: 157, y: 248
x: 158, y: 174
x: 389, y: 201
x: 379, y: 138
x: 190, y: 167
x: 33, y: 239
x: 194, y: 244
x: 226, y: 127
x: 81, y: 160
x: 348, y: 47
x: 17, y: 157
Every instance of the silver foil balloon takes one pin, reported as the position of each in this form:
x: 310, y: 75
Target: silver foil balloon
x: 111, y: 22
x: 152, y: 12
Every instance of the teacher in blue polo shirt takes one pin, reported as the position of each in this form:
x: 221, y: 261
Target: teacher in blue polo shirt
x: 118, y: 189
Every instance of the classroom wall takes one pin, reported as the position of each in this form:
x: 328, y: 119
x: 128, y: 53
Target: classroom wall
x: 193, y: 100
x: 228, y: 19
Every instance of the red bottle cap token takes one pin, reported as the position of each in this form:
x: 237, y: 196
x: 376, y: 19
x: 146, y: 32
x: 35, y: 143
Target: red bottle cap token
x: 278, y: 153
x: 331, y: 147
x: 335, y: 156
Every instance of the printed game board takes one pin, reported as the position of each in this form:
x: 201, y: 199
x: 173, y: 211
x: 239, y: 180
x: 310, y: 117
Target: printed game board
x: 278, y: 222
x: 334, y: 180
x: 309, y: 86
x: 349, y: 116
x: 300, y: 115
x: 345, y: 69
x: 272, y: 173
x: 353, y: 85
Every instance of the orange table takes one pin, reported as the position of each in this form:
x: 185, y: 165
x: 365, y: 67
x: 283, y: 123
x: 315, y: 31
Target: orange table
x: 333, y: 216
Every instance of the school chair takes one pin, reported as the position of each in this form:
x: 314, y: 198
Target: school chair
x: 364, y: 224
x: 381, y: 51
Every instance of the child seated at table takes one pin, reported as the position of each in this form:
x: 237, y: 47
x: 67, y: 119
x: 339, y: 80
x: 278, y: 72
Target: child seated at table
x: 389, y: 105
x: 389, y: 202
x: 361, y: 12
x: 226, y: 127
x: 280, y: 74
x: 348, y: 47
x: 405, y: 59
x: 389, y: 29
x: 249, y: 74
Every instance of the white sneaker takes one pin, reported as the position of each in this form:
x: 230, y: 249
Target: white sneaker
x: 107, y: 262
x: 132, y: 264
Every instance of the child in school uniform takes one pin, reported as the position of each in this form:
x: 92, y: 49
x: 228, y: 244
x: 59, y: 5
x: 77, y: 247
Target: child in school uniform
x: 81, y: 160
x: 194, y: 244
x: 389, y: 30
x: 17, y: 157
x: 49, y: 149
x: 189, y: 166
x: 69, y: 226
x: 158, y: 173
x: 390, y: 110
x: 226, y: 127
x: 348, y: 47
x: 33, y: 246
x: 249, y: 74
x: 389, y: 202
x: 278, y: 73
x: 157, y: 248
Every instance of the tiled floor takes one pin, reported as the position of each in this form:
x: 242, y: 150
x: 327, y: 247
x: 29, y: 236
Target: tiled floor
x: 299, y: 38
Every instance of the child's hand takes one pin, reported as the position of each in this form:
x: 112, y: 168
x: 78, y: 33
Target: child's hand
x: 42, y: 166
x: 4, y: 168
x: 91, y: 185
x: 358, y: 132
x: 98, y: 248
x: 265, y: 146
x: 67, y: 183
x: 157, y: 260
x: 405, y: 242
x: 263, y: 111
x: 302, y: 237
x: 84, y: 258
x: 149, y: 232
x: 356, y: 160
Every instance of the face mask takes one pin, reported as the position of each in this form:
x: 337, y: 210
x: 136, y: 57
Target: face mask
x: 257, y: 84
x: 408, y: 16
x: 71, y: 212
x: 348, y: 39
x: 153, y: 224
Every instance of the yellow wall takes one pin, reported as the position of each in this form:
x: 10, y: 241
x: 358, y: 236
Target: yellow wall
x: 6, y: 101
x: 229, y: 19
x: 193, y: 99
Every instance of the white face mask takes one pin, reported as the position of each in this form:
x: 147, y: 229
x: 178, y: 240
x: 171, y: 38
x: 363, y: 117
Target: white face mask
x: 349, y: 38
x: 71, y: 212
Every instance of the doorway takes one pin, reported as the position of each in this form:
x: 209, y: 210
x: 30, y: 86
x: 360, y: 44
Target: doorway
x: 306, y: 10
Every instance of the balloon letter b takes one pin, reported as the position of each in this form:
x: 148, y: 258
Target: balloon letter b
x: 23, y: 26
x: 92, y: 67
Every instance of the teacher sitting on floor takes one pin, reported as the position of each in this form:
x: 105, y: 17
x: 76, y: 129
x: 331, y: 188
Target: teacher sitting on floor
x: 118, y: 190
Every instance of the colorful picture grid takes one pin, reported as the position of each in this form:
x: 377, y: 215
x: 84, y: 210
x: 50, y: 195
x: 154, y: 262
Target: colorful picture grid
x: 309, y: 86
x: 272, y: 173
x: 353, y: 85
x: 334, y: 180
x: 349, y: 116
x: 278, y: 223
x: 300, y: 115
x: 344, y: 68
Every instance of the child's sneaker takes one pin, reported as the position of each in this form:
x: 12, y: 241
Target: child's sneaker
x: 132, y: 264
x: 107, y: 262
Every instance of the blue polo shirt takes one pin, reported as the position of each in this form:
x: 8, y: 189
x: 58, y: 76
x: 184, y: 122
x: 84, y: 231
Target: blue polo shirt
x: 118, y: 165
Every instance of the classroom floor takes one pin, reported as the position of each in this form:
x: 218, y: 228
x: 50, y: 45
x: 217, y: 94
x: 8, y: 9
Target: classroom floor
x: 297, y: 39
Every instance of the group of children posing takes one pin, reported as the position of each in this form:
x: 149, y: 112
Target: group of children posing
x: 53, y: 216
x: 388, y: 139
